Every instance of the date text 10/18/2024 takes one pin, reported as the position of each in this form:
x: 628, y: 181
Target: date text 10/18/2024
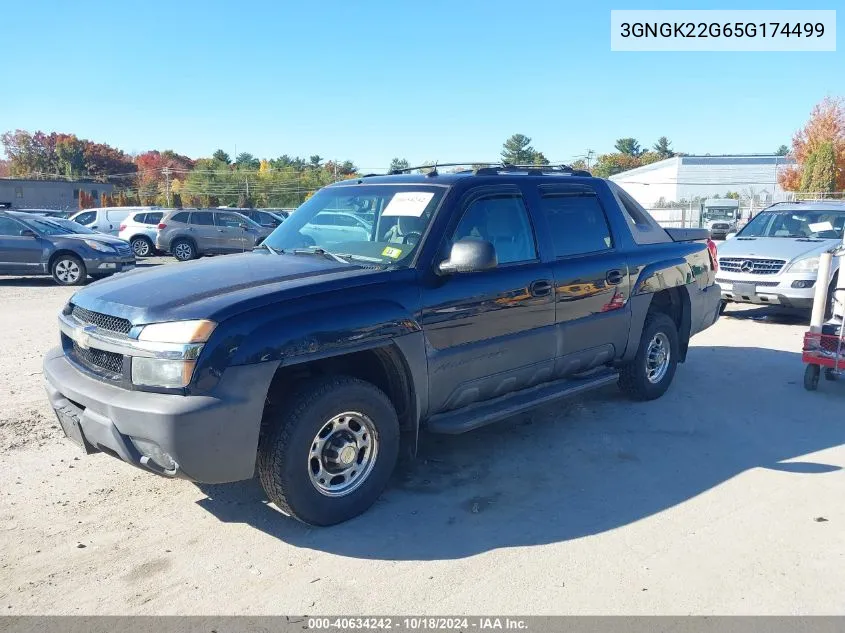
x: 418, y: 624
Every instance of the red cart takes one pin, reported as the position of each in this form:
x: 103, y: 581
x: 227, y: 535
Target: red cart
x: 823, y: 350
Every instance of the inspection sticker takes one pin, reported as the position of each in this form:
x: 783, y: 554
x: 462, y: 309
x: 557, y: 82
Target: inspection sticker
x: 391, y: 252
x: 409, y: 203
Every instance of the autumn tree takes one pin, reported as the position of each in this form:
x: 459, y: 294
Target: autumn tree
x: 826, y: 125
x: 5, y: 171
x: 628, y: 145
x: 610, y: 164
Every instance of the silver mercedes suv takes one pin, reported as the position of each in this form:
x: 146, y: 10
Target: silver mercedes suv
x: 774, y: 259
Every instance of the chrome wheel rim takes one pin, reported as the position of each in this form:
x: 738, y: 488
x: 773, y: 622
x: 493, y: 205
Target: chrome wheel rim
x: 141, y: 248
x: 68, y: 271
x: 183, y: 251
x: 657, y: 358
x: 343, y: 454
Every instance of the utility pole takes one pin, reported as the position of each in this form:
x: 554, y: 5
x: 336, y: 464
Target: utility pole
x: 247, y: 188
x: 590, y: 154
x: 166, y: 172
x: 335, y: 169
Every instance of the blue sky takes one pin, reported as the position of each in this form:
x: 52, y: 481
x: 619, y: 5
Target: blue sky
x: 367, y: 81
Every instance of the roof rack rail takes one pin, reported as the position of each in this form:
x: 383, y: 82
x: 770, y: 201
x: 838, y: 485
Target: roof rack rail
x: 433, y: 168
x: 486, y: 168
x: 532, y: 170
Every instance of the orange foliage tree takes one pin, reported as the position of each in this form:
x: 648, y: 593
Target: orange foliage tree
x: 826, y: 125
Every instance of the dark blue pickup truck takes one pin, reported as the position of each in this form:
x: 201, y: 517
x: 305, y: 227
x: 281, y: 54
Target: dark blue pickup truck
x: 384, y: 305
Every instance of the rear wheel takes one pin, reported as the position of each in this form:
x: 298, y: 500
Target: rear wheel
x: 142, y: 246
x: 649, y: 375
x: 811, y: 377
x: 183, y: 250
x: 330, y: 451
x: 68, y: 270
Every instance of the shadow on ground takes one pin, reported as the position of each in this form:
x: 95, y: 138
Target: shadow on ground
x: 582, y: 467
x: 768, y: 314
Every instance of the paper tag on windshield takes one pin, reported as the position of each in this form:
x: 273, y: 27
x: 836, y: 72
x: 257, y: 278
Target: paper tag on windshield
x: 408, y: 203
x: 818, y: 227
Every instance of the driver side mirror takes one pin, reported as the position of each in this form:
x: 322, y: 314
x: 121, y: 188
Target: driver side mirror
x: 469, y: 256
x: 28, y: 233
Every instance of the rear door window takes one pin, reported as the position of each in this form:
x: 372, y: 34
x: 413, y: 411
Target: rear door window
x: 202, y: 218
x: 153, y: 218
x: 180, y: 217
x: 576, y: 220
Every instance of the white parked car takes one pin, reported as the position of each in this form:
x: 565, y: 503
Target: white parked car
x: 333, y: 227
x: 774, y: 259
x: 106, y: 219
x: 140, y: 229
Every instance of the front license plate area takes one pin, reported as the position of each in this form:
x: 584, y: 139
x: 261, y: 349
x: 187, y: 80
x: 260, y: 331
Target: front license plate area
x: 69, y: 419
x: 744, y: 289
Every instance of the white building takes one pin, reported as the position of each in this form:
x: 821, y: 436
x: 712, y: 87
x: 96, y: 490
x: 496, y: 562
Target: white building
x: 684, y: 178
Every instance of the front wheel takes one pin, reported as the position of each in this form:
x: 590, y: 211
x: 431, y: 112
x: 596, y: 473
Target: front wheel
x: 649, y: 375
x: 184, y: 250
x: 330, y: 451
x: 811, y: 377
x: 68, y: 270
x: 142, y: 246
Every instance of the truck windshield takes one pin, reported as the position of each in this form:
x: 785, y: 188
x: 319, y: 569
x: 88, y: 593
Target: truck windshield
x: 821, y: 224
x: 720, y: 214
x: 379, y: 224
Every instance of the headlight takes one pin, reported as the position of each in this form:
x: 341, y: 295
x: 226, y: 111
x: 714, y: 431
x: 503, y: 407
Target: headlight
x: 99, y: 246
x: 158, y: 372
x: 178, y: 331
x: 808, y: 265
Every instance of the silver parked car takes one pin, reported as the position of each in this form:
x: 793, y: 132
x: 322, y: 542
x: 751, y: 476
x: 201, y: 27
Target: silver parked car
x: 189, y: 234
x: 140, y: 229
x: 774, y: 259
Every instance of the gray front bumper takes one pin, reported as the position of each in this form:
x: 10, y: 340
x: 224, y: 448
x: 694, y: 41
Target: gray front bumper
x: 212, y: 438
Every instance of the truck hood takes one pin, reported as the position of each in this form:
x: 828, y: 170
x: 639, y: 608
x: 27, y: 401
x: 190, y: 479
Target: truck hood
x: 213, y: 288
x: 787, y: 248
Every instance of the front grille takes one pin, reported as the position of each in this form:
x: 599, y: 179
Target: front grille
x: 102, y: 321
x: 759, y: 284
x: 123, y: 249
x: 751, y: 266
x: 99, y: 359
x: 721, y: 226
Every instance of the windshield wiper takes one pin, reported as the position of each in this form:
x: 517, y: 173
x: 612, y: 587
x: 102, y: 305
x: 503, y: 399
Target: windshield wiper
x: 321, y: 252
x: 269, y: 248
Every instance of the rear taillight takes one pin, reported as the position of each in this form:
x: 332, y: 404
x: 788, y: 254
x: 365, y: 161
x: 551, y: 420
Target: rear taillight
x: 711, y: 247
x: 122, y: 227
x: 162, y: 225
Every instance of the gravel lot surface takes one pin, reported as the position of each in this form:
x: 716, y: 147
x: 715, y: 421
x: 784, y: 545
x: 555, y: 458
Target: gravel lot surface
x: 724, y: 497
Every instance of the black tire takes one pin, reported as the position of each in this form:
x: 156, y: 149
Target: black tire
x: 183, y: 249
x: 811, y: 377
x: 633, y: 376
x: 68, y: 270
x: 722, y: 305
x: 142, y: 246
x: 283, y: 454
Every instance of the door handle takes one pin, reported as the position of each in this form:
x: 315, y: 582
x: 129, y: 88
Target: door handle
x: 540, y: 288
x: 614, y: 277
x: 219, y: 230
